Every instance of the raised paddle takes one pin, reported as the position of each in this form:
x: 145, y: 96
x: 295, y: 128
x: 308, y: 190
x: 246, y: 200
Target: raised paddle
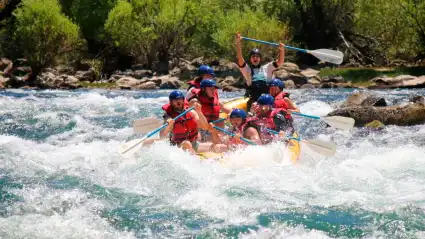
x: 327, y: 55
x: 232, y: 134
x: 318, y: 146
x: 134, y: 145
x: 340, y: 122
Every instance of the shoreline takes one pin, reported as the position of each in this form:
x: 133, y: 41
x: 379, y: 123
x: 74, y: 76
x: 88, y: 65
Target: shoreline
x: 228, y: 77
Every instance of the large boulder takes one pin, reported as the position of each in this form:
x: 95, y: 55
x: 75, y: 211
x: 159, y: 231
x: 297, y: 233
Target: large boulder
x: 170, y: 82
x: 403, y: 115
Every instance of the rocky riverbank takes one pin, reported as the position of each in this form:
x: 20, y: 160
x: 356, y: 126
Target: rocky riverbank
x: 17, y: 74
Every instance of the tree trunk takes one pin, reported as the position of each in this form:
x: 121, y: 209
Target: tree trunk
x: 163, y: 62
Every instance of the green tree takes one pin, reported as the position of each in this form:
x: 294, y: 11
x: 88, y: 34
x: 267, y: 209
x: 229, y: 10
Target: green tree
x: 90, y: 16
x: 253, y: 24
x: 413, y: 12
x: 43, y: 33
x: 154, y: 30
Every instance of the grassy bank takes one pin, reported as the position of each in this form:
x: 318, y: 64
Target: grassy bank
x: 363, y: 75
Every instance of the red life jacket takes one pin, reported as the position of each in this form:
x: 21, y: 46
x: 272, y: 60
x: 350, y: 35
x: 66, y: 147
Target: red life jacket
x: 279, y: 101
x: 261, y: 123
x: 185, y: 128
x: 210, y: 106
x: 196, y: 83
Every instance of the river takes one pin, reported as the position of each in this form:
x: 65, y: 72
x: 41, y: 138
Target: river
x: 61, y: 176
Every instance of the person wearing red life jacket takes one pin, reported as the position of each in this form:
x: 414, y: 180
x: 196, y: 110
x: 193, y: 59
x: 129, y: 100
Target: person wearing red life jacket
x: 204, y: 72
x: 208, y: 97
x: 267, y: 117
x: 237, y: 119
x: 184, y: 131
x: 281, y: 98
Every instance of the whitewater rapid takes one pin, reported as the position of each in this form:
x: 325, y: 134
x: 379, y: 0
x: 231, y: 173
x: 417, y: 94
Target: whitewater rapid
x: 61, y: 176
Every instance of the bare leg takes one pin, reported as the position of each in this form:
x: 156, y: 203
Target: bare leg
x: 220, y: 148
x: 186, y: 145
x: 205, y: 147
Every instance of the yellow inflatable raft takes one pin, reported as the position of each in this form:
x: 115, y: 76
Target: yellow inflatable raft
x: 293, y: 145
x: 239, y: 103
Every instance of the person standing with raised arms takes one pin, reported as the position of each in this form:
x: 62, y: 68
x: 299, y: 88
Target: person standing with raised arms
x: 257, y: 75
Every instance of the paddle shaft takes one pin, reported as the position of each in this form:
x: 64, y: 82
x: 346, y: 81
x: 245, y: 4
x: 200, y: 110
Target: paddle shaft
x: 308, y: 116
x: 275, y: 44
x: 157, y: 130
x: 233, y: 135
x: 165, y: 125
x: 218, y: 121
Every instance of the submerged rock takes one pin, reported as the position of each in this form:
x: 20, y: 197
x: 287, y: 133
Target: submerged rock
x: 376, y: 124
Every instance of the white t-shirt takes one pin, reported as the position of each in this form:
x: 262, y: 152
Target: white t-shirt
x: 189, y: 93
x: 266, y: 70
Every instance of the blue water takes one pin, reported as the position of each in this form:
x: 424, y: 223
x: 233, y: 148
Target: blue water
x: 61, y: 175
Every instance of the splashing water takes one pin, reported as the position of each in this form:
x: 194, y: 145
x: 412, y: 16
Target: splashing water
x: 61, y: 176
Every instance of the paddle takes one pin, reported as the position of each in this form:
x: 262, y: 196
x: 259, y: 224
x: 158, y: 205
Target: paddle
x: 145, y: 125
x: 219, y: 120
x: 340, y: 122
x: 318, y: 146
x: 327, y: 55
x: 134, y: 145
x: 233, y: 135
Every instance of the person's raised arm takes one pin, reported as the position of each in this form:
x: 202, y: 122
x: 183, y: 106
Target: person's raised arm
x: 239, y: 56
x: 281, y: 58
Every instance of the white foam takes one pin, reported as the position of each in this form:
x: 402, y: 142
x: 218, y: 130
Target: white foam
x: 375, y: 177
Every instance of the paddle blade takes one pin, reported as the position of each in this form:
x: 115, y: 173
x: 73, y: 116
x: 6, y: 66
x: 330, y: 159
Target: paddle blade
x: 131, y: 147
x: 146, y: 125
x: 328, y: 55
x: 320, y: 147
x: 340, y: 122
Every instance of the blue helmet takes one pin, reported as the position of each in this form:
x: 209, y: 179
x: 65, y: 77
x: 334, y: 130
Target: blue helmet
x: 176, y: 95
x: 238, y: 113
x: 277, y: 82
x: 205, y: 69
x: 208, y: 83
x: 266, y: 99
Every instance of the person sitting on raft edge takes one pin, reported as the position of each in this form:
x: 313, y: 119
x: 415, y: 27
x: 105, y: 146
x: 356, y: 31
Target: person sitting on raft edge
x: 256, y: 86
x: 255, y: 128
x: 237, y: 120
x: 281, y: 98
x: 184, y: 131
x: 208, y: 97
x: 204, y: 72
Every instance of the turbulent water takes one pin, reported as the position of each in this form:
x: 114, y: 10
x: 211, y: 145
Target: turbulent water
x: 61, y: 176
